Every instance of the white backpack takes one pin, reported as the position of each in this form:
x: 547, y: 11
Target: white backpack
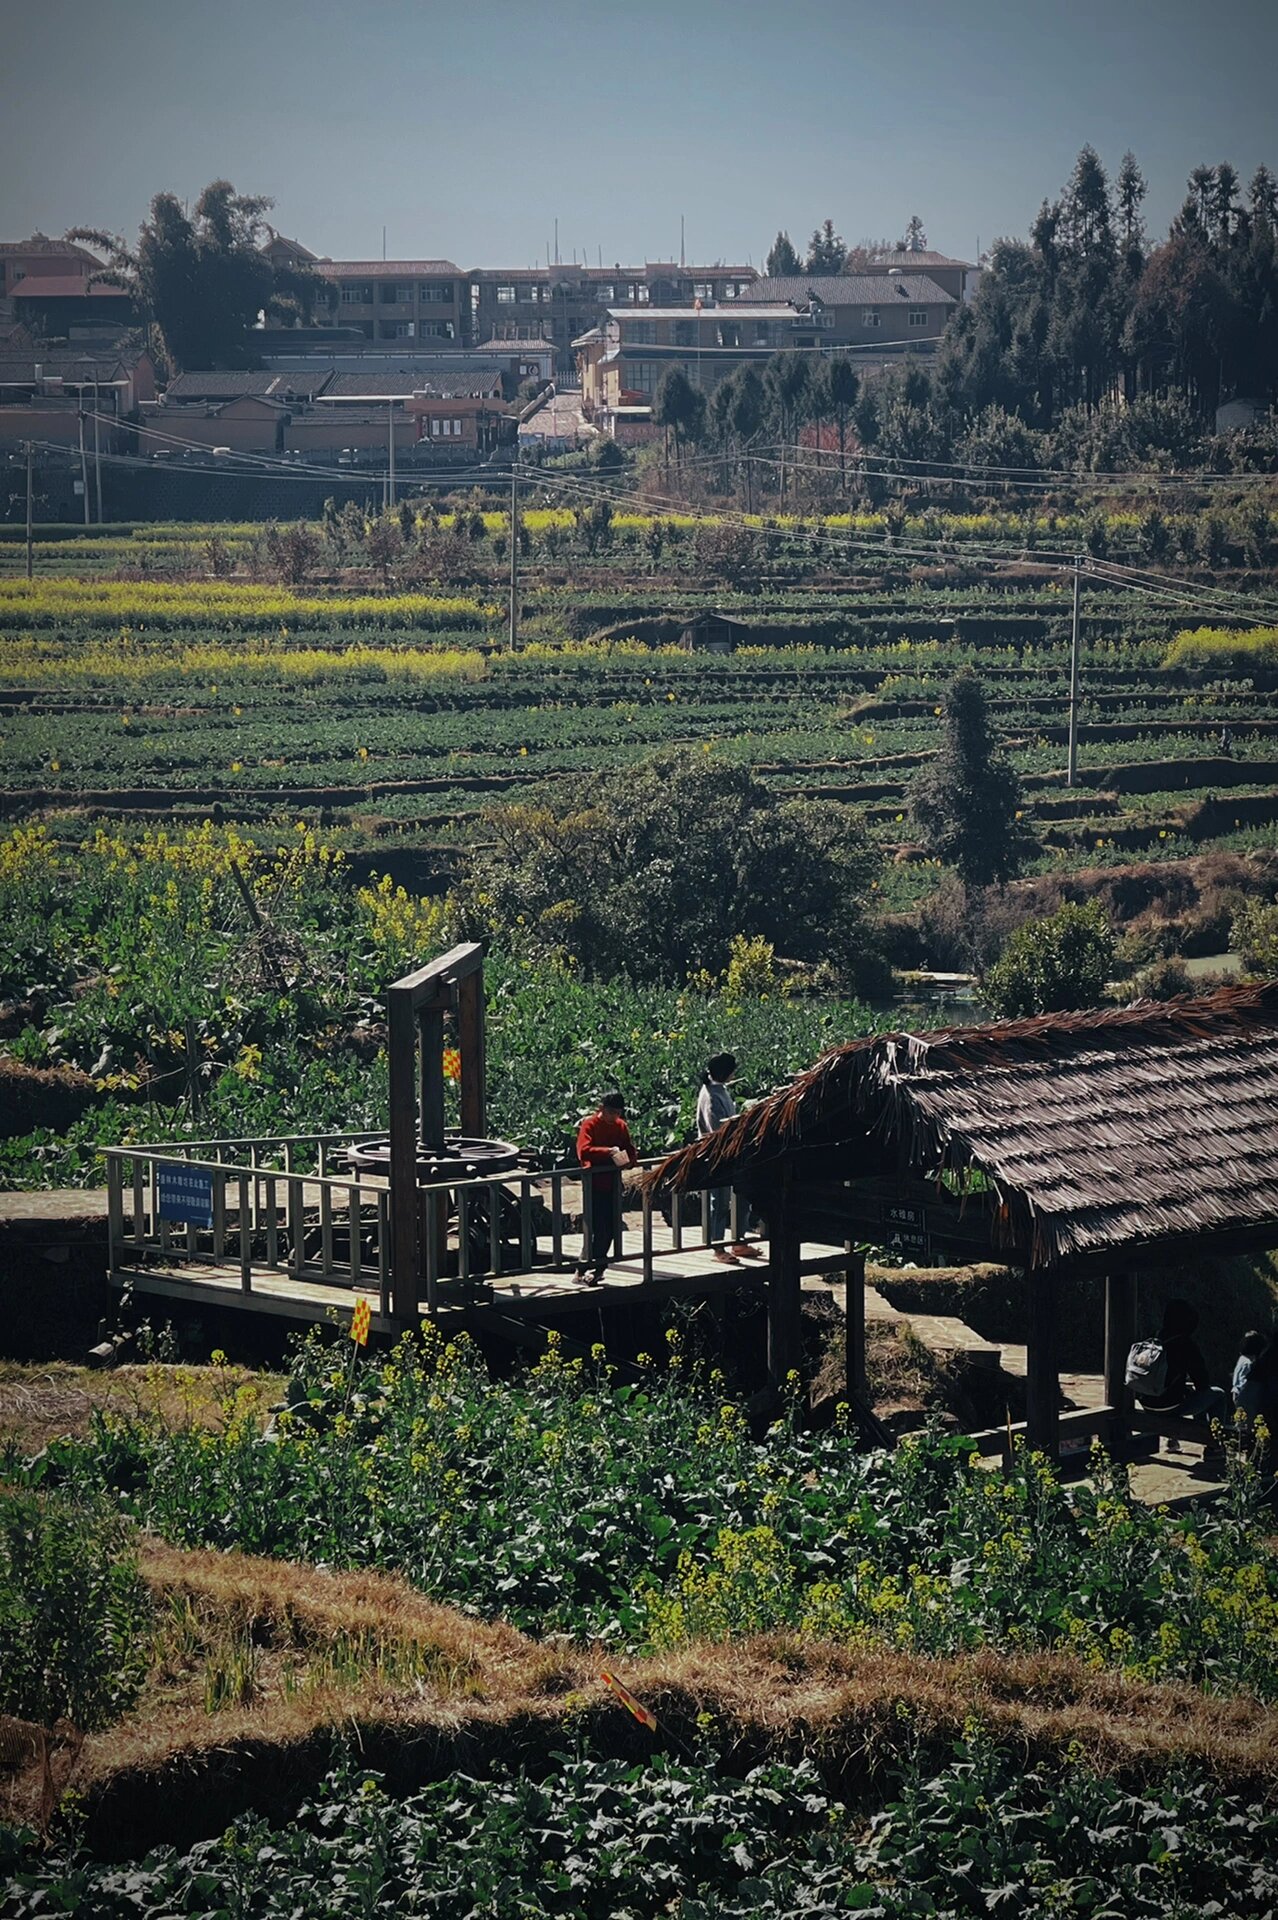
x: 1147, y: 1368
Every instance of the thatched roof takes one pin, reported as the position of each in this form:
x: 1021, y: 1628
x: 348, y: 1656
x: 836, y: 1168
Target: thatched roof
x: 1111, y: 1130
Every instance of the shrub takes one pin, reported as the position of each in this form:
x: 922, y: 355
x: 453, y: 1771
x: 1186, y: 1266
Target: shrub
x: 1053, y: 965
x: 73, y: 1611
x: 1254, y: 936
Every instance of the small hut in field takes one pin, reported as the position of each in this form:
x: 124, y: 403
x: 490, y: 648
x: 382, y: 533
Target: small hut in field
x: 1065, y: 1145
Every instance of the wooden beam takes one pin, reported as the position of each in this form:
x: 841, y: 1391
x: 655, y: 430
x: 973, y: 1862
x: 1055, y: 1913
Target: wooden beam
x: 1042, y: 1382
x: 472, y: 1045
x: 785, y: 1297
x: 1120, y: 1332
x: 854, y: 1370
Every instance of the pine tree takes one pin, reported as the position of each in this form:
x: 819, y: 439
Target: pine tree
x: 826, y: 251
x: 965, y: 804
x: 782, y: 262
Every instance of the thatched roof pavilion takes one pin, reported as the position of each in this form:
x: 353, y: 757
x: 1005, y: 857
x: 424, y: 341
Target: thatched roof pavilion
x: 1099, y: 1141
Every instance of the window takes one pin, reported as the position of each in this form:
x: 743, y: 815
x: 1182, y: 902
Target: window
x: 684, y: 333
x: 643, y: 332
x: 730, y: 336
x: 642, y: 295
x: 918, y: 316
x: 356, y: 294
x: 703, y: 289
x: 443, y: 429
x: 641, y: 376
x: 435, y: 291
x: 762, y: 333
x: 605, y: 295
x: 731, y: 288
x: 436, y: 330
x: 404, y: 330
x: 505, y: 296
x: 529, y: 292
x: 869, y: 316
x: 397, y: 295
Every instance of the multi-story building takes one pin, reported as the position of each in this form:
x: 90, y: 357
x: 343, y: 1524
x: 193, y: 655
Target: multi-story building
x: 395, y: 301
x: 892, y: 311
x: 47, y: 286
x: 952, y: 276
x: 622, y: 361
x: 561, y: 303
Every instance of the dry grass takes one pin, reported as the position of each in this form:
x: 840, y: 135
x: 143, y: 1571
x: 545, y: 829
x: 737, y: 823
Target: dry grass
x: 331, y: 1660
x: 42, y: 1403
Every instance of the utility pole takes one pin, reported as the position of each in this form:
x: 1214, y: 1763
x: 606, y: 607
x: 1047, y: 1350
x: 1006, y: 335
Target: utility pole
x: 97, y: 447
x: 30, y: 507
x: 390, y: 447
x: 1071, y: 773
x: 84, y: 470
x: 513, y: 630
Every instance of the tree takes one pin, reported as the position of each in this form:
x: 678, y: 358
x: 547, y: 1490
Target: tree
x: 785, y: 384
x: 1053, y: 965
x: 669, y: 860
x: 202, y: 280
x: 679, y: 407
x: 782, y: 262
x: 966, y: 803
x: 1129, y: 191
x: 826, y: 251
x: 914, y: 240
x: 842, y: 386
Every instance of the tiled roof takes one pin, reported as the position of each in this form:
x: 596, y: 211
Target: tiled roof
x: 222, y: 386
x: 62, y: 363
x: 41, y: 243
x: 848, y: 290
x: 921, y: 260
x: 67, y: 286
x: 448, y: 382
x: 387, y: 269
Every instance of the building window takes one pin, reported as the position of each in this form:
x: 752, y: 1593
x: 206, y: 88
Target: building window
x: 605, y: 295
x: 435, y: 290
x: 762, y: 334
x: 505, y: 296
x: 731, y: 289
x: 404, y: 330
x: 357, y: 295
x: 642, y: 294
x: 869, y: 316
x: 397, y: 296
x: 442, y: 429
x: 643, y: 332
x: 918, y: 316
x: 730, y: 336
x: 684, y: 333
x: 640, y: 376
x: 532, y: 293
x: 703, y: 289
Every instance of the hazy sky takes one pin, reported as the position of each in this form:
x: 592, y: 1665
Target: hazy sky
x: 467, y: 126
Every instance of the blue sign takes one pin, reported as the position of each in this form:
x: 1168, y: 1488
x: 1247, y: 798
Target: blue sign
x: 185, y: 1193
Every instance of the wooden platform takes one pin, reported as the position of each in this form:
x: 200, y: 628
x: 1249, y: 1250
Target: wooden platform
x: 541, y: 1290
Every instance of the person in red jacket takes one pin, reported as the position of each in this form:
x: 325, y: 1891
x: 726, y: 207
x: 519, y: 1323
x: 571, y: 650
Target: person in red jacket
x: 605, y: 1147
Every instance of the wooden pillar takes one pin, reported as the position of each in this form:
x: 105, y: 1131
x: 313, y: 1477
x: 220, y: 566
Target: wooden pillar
x: 474, y: 1065
x: 1120, y: 1332
x: 784, y: 1293
x: 854, y: 1325
x: 402, y: 1047
x: 1042, y: 1398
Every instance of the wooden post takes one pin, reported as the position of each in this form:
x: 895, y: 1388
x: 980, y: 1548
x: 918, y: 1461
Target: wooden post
x: 471, y: 1044
x: 784, y: 1294
x: 854, y: 1325
x: 1120, y: 1332
x: 1042, y: 1398
x: 403, y: 1158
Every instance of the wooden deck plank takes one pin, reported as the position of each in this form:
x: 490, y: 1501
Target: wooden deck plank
x: 690, y: 1270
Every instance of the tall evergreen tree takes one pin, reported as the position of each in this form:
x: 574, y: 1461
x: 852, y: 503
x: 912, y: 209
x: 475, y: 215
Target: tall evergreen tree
x: 965, y: 803
x: 914, y: 240
x: 826, y: 251
x: 782, y: 262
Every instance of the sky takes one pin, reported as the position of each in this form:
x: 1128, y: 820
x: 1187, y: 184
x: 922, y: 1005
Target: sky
x: 467, y: 127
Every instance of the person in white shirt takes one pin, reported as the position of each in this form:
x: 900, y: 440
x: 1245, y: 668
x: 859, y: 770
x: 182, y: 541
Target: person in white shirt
x: 715, y: 1104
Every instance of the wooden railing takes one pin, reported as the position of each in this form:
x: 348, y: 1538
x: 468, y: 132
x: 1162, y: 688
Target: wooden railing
x: 279, y: 1206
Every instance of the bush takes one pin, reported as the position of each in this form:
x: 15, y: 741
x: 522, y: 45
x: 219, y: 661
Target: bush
x: 1053, y: 965
x: 670, y: 860
x: 1254, y: 937
x: 73, y: 1611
